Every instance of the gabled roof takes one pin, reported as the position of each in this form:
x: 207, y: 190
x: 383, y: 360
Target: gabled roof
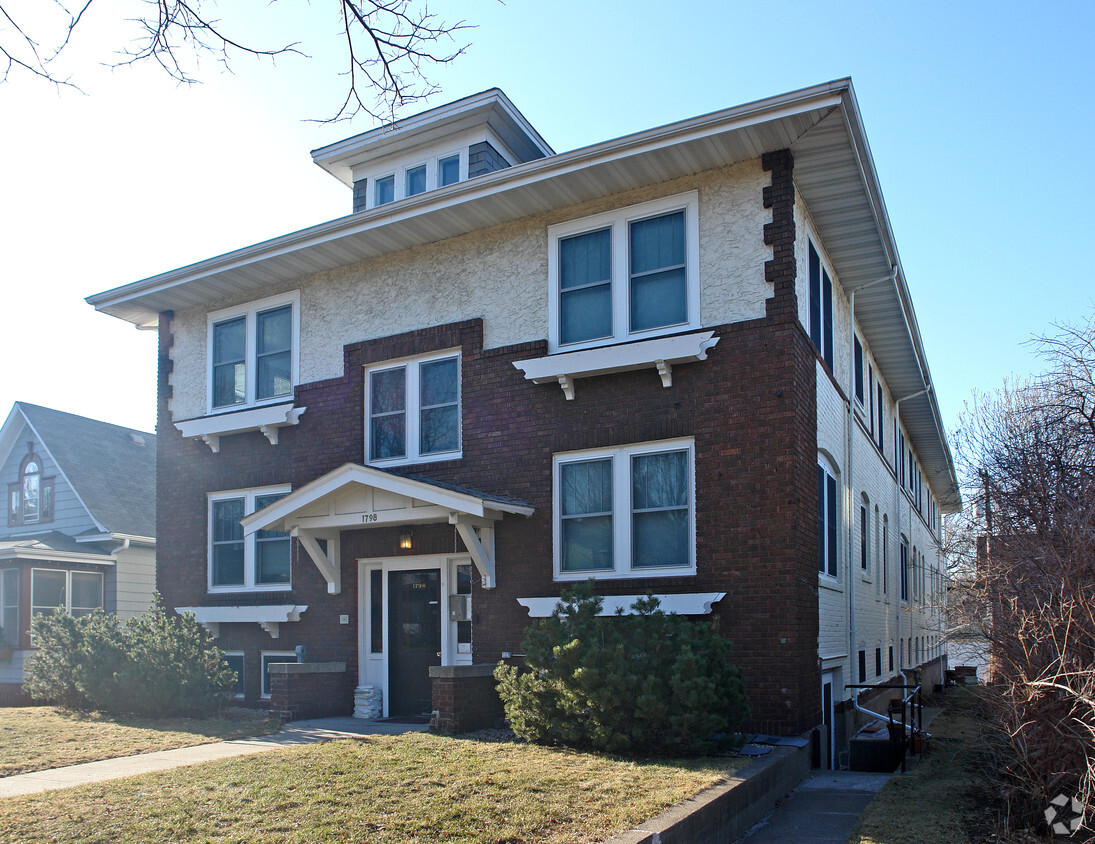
x: 834, y: 172
x: 110, y: 468
x: 442, y: 496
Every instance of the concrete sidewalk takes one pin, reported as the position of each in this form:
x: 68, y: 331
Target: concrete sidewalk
x: 293, y: 734
x: 826, y: 806
x: 823, y: 809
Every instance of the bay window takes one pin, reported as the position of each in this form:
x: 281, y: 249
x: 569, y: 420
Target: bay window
x: 76, y: 592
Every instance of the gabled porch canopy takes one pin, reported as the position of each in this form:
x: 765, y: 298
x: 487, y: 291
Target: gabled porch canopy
x: 355, y: 497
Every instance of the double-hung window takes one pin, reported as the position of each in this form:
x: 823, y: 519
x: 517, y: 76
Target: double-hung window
x: 413, y: 410
x: 827, y: 529
x: 625, y: 512
x: 253, y: 353
x: 625, y: 275
x: 821, y: 307
x: 258, y: 562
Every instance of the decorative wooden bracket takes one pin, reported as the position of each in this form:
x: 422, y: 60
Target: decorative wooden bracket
x: 480, y: 544
x: 328, y: 563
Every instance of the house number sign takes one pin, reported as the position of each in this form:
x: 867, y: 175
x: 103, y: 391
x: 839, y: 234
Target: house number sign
x: 368, y: 517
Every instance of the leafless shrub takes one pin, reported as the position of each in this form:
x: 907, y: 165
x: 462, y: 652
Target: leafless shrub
x: 1025, y: 564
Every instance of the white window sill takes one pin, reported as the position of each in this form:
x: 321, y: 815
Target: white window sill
x: 661, y: 353
x: 269, y: 617
x: 241, y: 588
x: 634, y: 574
x: 267, y: 419
x: 685, y: 603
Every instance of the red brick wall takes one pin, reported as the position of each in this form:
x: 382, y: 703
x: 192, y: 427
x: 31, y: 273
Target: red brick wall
x: 750, y: 408
x: 297, y: 697
x: 464, y: 704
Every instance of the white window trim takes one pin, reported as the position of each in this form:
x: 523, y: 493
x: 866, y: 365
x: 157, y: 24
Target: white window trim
x: 249, y: 584
x: 823, y: 573
x: 412, y: 410
x: 618, y: 221
x: 621, y: 510
x: 68, y: 588
x: 250, y: 310
x: 398, y: 172
x: 290, y: 656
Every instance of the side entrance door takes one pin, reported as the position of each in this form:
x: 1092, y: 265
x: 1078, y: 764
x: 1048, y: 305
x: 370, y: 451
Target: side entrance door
x: 414, y: 636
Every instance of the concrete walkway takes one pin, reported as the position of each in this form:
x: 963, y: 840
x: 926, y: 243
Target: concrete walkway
x: 293, y: 734
x: 826, y: 806
x: 823, y: 809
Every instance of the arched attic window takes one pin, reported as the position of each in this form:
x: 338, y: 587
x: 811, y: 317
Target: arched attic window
x: 30, y: 498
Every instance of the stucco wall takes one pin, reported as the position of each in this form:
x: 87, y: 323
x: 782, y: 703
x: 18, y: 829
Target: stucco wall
x: 499, y: 275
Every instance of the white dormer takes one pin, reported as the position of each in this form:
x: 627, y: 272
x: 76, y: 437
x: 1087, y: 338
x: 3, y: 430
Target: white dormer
x: 432, y: 150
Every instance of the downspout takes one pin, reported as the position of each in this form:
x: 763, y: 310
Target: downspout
x: 123, y: 547
x: 900, y: 492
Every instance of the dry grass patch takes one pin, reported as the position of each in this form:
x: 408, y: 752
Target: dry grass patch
x: 942, y: 800
x: 416, y: 787
x: 34, y: 738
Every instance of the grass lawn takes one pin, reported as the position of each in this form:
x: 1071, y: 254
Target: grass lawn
x: 416, y: 787
x: 941, y: 801
x: 35, y: 738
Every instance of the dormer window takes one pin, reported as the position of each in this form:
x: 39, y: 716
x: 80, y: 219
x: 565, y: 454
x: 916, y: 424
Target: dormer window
x: 30, y: 498
x: 448, y: 171
x: 385, y: 190
x: 416, y: 180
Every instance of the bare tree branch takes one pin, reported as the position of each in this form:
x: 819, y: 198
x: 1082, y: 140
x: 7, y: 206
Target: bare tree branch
x: 391, y: 47
x: 1026, y: 564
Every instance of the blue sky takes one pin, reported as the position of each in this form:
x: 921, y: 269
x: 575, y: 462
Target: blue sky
x: 978, y: 116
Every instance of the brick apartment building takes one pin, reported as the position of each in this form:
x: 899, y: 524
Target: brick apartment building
x: 683, y: 361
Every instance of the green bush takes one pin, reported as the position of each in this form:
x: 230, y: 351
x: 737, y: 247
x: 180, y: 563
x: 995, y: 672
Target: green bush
x: 154, y: 664
x: 650, y: 682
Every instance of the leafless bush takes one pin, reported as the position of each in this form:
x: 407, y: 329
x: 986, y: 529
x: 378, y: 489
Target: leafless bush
x: 1025, y: 559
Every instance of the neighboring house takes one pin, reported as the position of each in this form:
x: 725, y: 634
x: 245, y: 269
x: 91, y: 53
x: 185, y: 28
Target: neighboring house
x: 80, y: 531
x: 683, y: 361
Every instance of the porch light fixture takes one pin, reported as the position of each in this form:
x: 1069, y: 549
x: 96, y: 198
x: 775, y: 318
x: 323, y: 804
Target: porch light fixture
x: 405, y: 540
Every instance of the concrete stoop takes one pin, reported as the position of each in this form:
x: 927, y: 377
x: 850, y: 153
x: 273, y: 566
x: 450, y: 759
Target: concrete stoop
x: 727, y: 810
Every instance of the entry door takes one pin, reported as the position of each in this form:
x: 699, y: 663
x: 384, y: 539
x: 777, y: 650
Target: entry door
x: 414, y: 637
x: 827, y: 720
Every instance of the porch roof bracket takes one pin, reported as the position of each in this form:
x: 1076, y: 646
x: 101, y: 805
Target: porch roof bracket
x: 327, y: 563
x: 480, y: 545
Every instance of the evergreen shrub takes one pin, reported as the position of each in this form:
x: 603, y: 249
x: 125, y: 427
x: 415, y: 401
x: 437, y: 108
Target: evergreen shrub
x: 647, y: 683
x: 154, y: 664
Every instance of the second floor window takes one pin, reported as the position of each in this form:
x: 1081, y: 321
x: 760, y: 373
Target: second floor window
x: 253, y: 353
x: 413, y: 410
x: 821, y: 307
x: 30, y: 498
x: 625, y: 274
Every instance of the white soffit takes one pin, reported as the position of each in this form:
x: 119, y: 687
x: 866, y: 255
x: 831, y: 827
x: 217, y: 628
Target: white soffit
x: 723, y: 138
